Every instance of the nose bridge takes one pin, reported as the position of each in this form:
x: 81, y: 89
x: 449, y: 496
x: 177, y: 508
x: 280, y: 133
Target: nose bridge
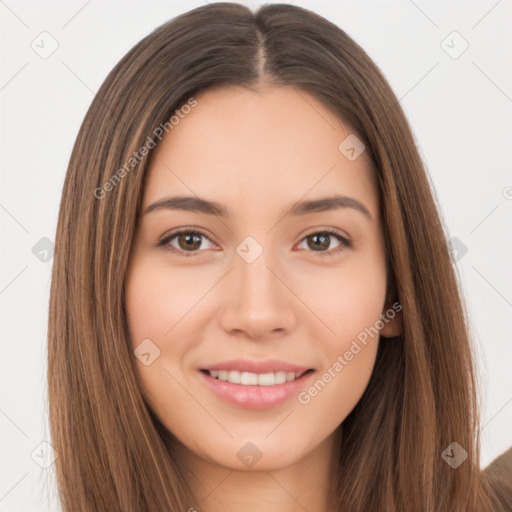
x: 258, y: 302
x: 257, y: 284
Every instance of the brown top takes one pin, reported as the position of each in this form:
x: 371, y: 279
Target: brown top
x: 501, y: 467
x: 502, y: 463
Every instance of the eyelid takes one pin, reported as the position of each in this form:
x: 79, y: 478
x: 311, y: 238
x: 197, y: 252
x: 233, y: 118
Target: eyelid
x: 345, y: 241
x: 167, y: 237
x: 327, y: 229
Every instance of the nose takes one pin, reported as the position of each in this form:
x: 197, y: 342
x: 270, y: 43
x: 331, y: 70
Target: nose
x: 259, y: 300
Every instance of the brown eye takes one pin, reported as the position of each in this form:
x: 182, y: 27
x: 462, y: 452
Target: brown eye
x: 183, y: 242
x: 188, y: 241
x: 320, y: 242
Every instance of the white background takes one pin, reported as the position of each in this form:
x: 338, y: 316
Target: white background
x: 460, y: 111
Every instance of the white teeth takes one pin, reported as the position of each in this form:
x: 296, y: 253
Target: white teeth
x: 249, y: 379
x: 234, y: 377
x: 267, y: 379
x: 254, y: 379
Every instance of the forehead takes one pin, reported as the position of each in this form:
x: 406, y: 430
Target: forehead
x: 252, y: 149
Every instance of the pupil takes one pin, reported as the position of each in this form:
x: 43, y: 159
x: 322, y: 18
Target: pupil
x: 191, y: 241
x: 324, y: 245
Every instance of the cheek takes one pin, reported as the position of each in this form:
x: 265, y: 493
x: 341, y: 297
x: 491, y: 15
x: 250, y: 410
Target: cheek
x: 347, y: 300
x: 155, y: 301
x: 161, y: 306
x: 158, y: 298
x: 351, y: 308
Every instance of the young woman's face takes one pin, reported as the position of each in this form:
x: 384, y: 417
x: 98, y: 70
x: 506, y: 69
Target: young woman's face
x: 260, y: 283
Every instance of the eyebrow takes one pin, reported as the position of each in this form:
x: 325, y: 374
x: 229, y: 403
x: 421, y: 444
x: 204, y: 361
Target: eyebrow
x: 200, y: 205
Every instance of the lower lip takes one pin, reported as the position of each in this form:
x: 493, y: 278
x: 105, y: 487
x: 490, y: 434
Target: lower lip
x: 256, y: 397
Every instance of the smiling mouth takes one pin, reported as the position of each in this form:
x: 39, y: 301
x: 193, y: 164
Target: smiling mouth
x: 255, y: 379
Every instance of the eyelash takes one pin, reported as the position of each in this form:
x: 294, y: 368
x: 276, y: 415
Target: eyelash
x: 345, y: 243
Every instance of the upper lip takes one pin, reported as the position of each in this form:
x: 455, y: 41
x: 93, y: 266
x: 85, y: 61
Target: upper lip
x: 267, y: 366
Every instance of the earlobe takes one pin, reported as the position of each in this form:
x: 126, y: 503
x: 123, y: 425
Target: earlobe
x: 393, y: 327
x: 393, y: 323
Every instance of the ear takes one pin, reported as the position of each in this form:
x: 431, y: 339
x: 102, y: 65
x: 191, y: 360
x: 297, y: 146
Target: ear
x: 393, y: 327
x: 393, y: 319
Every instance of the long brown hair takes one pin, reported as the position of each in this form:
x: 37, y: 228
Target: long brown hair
x: 113, y: 453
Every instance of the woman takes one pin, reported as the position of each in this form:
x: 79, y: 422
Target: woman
x: 253, y: 303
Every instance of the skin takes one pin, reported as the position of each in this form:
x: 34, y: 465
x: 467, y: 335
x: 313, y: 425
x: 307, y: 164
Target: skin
x: 256, y: 153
